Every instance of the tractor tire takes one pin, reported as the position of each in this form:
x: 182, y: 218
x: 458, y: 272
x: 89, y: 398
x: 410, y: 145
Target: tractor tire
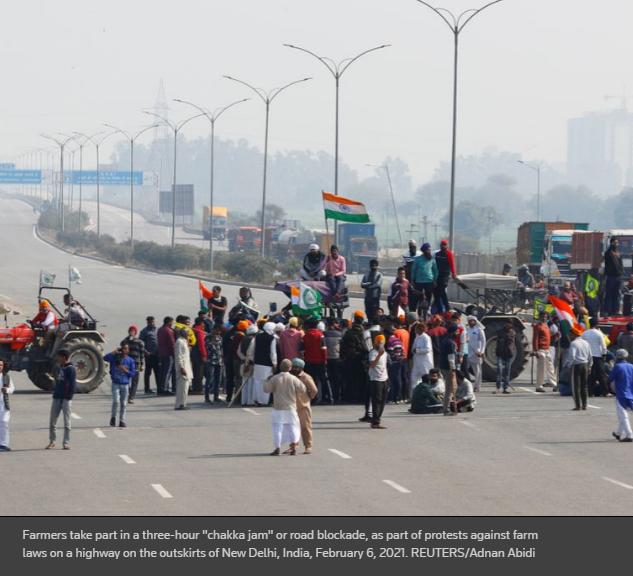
x: 41, y: 376
x: 519, y: 362
x: 87, y: 357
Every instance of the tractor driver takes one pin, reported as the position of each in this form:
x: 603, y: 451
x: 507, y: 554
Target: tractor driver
x: 45, y: 318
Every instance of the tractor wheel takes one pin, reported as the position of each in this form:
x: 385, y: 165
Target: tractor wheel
x: 519, y: 362
x: 87, y: 357
x: 40, y: 374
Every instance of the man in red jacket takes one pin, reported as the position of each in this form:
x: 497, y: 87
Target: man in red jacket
x: 315, y: 357
x: 445, y: 259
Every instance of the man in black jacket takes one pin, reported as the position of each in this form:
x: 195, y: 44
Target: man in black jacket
x: 62, y: 398
x: 136, y: 347
x: 506, y: 351
x: 150, y: 339
x: 613, y: 271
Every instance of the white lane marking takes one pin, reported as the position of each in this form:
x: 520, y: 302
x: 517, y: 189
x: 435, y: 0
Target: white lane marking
x: 126, y: 459
x: 161, y: 491
x: 594, y: 407
x: 469, y: 424
x: 99, y: 433
x: 538, y: 451
x: 75, y: 416
x: 339, y: 453
x: 251, y: 411
x: 618, y: 483
x: 528, y: 390
x: 397, y: 487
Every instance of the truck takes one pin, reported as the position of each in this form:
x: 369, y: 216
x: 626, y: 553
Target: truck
x: 358, y: 244
x: 588, y: 249
x: 218, y: 222
x: 546, y: 246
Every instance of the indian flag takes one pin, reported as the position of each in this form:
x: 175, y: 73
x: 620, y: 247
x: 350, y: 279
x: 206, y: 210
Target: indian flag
x: 305, y: 300
x: 339, y: 208
x: 565, y: 314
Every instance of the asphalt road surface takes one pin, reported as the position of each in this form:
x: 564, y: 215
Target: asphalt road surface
x: 523, y: 454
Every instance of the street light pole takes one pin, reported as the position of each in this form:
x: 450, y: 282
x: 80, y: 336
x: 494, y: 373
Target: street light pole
x: 456, y: 23
x: 211, y: 117
x: 176, y: 128
x: 537, y: 169
x: 385, y: 167
x: 132, y: 138
x: 62, y: 145
x: 88, y: 138
x: 337, y: 70
x: 267, y: 98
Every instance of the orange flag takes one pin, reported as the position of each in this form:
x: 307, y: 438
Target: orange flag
x: 204, y: 291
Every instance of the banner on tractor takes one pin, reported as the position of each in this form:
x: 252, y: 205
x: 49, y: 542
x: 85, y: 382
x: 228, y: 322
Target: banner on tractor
x: 305, y: 301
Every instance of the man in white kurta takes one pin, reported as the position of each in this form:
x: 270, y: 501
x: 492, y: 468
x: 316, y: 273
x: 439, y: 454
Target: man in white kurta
x: 184, y: 370
x: 6, y: 388
x: 285, y: 389
x: 422, y: 355
x: 476, y: 349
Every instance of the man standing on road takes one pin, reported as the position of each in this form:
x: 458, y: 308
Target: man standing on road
x: 371, y: 283
x: 476, y: 349
x: 422, y: 356
x: 621, y: 379
x: 445, y: 260
x: 448, y: 365
x: 541, y: 345
x: 285, y: 389
x: 378, y: 381
x: 166, y: 341
x: 579, y: 359
x: 63, y: 393
x: 354, y: 356
x: 506, y: 351
x: 6, y: 388
x: 424, y: 275
x: 137, y: 353
x: 217, y: 306
x: 333, y: 336
x: 184, y: 371
x: 315, y: 356
x: 613, y: 271
x: 598, y: 382
x: 291, y: 340
x: 199, y: 356
x: 122, y: 372
x: 150, y: 339
x: 304, y: 408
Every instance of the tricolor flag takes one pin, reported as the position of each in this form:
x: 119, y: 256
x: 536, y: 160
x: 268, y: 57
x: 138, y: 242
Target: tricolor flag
x: 339, y: 208
x: 205, y: 295
x: 305, y: 300
x: 565, y: 315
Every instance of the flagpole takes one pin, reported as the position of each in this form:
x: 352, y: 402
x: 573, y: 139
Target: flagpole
x: 327, y: 230
x: 69, y: 279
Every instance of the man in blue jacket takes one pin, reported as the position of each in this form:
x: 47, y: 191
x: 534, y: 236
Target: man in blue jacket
x: 424, y: 276
x: 621, y: 378
x: 62, y: 398
x: 122, y: 371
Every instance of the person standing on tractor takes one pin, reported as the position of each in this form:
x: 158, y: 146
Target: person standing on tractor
x: 65, y: 387
x: 137, y: 353
x: 541, y: 344
x: 424, y: 275
x: 313, y: 264
x: 371, y: 283
x: 6, y: 388
x: 445, y: 259
x: 614, y: 272
x: 335, y: 271
x: 122, y: 372
x: 45, y: 319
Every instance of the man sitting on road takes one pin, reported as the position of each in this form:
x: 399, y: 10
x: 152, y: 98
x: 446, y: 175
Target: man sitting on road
x: 427, y: 397
x: 465, y: 395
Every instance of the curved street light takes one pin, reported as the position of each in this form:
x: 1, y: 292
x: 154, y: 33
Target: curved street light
x: 211, y: 117
x: 176, y: 128
x: 456, y: 23
x: 86, y: 138
x: 537, y: 169
x: 267, y: 98
x: 132, y: 138
x: 62, y: 144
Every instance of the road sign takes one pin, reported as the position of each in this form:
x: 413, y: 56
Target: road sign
x: 20, y: 176
x: 106, y: 178
x: 7, y: 166
x: 184, y: 200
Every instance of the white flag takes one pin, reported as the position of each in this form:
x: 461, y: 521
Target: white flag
x: 46, y: 278
x: 74, y: 275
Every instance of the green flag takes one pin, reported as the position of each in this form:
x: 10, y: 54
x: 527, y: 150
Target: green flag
x: 306, y: 301
x: 541, y: 306
x: 592, y: 286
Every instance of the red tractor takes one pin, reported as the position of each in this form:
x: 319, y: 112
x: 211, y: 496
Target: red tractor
x: 26, y: 347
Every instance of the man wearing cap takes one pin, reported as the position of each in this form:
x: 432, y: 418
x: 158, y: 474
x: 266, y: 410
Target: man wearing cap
x: 313, y: 264
x: 304, y: 408
x: 446, y: 270
x: 184, y: 370
x: 541, y: 344
x: 579, y: 359
x: 371, y: 283
x: 448, y: 365
x: 407, y: 264
x: 150, y: 340
x: 137, y: 352
x: 476, y: 349
x: 245, y: 354
x: 291, y: 340
x: 378, y: 381
x: 285, y: 389
x: 424, y: 275
x: 45, y: 318
x: 621, y: 379
x: 262, y: 352
x: 354, y: 354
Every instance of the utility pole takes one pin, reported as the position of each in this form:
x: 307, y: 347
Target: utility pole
x: 436, y: 228
x: 490, y: 220
x: 425, y: 223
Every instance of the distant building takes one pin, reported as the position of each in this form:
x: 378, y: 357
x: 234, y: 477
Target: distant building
x: 600, y: 151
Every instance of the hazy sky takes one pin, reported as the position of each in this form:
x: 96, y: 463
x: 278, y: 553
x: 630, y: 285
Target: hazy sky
x: 526, y: 67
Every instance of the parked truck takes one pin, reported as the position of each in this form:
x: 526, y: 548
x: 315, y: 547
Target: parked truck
x: 546, y: 246
x: 358, y: 243
x: 217, y: 223
x: 588, y: 250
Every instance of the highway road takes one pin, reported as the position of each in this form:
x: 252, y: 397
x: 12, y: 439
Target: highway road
x: 523, y: 454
